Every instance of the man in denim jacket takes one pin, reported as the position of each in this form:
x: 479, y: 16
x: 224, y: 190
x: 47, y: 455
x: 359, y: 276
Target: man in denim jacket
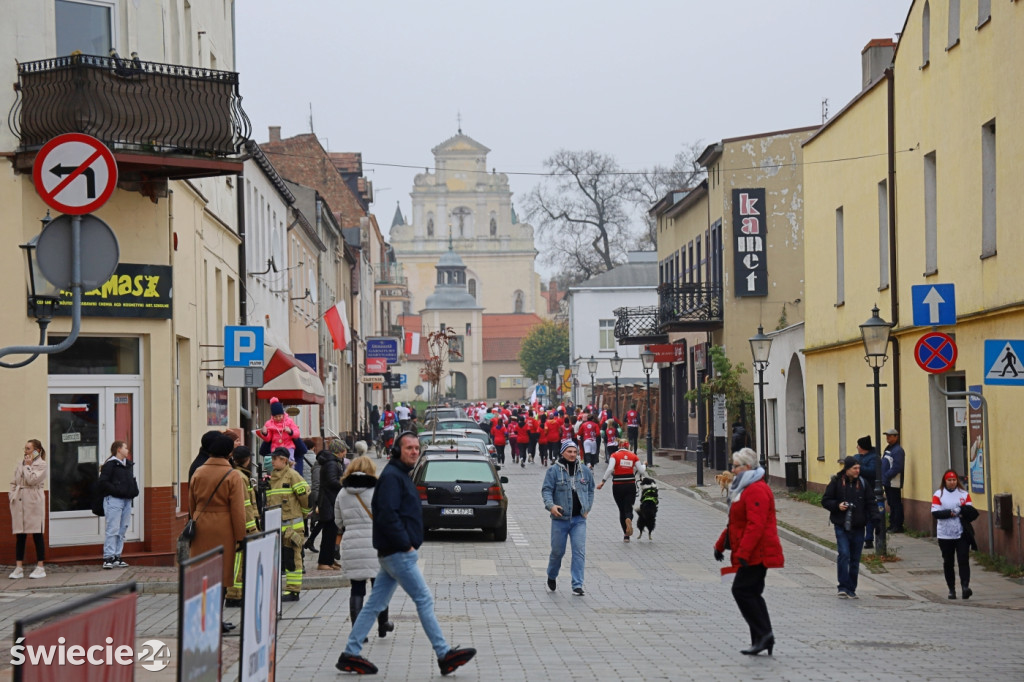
x: 568, y: 494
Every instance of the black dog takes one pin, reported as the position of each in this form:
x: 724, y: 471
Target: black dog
x: 647, y: 510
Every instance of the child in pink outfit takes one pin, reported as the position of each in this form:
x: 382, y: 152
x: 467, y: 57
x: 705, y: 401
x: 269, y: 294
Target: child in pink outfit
x: 280, y: 431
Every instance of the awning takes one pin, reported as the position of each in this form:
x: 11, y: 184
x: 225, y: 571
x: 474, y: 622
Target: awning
x: 290, y: 380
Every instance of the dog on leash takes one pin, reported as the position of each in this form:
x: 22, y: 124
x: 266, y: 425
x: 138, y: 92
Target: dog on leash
x: 647, y: 509
x: 725, y: 480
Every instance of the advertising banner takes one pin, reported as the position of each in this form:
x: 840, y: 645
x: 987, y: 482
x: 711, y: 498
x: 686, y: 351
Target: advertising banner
x: 750, y: 232
x: 976, y: 437
x: 199, y: 617
x: 133, y: 290
x: 262, y: 585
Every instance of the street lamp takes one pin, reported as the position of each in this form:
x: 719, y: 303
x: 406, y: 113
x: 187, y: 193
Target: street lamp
x: 592, y: 368
x: 875, y: 333
x: 647, y: 358
x: 575, y: 368
x: 760, y: 348
x: 616, y: 368
x: 561, y: 380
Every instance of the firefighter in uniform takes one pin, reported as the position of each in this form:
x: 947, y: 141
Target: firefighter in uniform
x: 241, y: 457
x: 289, y: 490
x: 623, y: 466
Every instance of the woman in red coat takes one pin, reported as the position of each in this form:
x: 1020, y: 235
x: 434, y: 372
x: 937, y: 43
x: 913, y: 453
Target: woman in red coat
x: 753, y: 538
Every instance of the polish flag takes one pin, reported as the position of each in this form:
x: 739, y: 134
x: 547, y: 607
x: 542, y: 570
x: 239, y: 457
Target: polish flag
x: 412, y: 343
x: 337, y: 323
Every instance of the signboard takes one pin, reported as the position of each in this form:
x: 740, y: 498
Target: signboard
x: 134, y: 290
x: 976, y: 437
x: 383, y: 347
x: 74, y: 173
x: 272, y: 522
x: 371, y: 379
x: 391, y: 381
x: 541, y: 390
x: 935, y: 353
x: 668, y: 352
x: 1002, y: 362
x: 403, y: 379
x: 243, y: 346
x: 700, y: 357
x: 216, y: 405
x: 199, y: 616
x: 933, y: 304
x: 243, y: 377
x: 260, y: 592
x: 721, y: 417
x: 376, y: 365
x: 393, y: 293
x: 749, y: 232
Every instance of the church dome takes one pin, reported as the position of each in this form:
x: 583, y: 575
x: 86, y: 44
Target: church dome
x: 451, y: 292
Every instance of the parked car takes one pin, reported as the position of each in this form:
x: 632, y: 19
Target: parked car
x: 445, y: 442
x: 447, y: 424
x: 427, y: 437
x: 443, y: 413
x: 460, y: 488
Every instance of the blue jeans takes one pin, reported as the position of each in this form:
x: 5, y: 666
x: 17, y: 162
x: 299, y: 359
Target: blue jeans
x: 849, y: 545
x: 575, y: 530
x: 398, y: 570
x: 117, y: 512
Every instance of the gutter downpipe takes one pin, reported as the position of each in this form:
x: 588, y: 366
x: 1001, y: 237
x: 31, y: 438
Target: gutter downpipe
x: 894, y: 298
x: 243, y: 289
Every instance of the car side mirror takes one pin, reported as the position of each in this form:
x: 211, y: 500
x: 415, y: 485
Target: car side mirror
x: 503, y: 479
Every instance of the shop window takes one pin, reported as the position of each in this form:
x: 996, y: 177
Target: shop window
x: 95, y: 355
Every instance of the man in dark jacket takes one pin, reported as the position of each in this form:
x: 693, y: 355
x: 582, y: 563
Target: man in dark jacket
x: 397, y: 535
x: 118, y: 486
x: 851, y: 502
x: 867, y: 457
x: 331, y: 469
x: 893, y: 462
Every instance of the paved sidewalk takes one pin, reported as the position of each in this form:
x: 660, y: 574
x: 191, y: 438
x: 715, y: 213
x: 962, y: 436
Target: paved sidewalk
x: 919, y: 569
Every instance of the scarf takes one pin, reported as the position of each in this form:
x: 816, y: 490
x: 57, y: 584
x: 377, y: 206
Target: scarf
x: 742, y: 481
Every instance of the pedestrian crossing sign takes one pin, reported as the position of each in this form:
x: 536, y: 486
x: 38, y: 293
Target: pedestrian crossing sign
x: 1003, y: 365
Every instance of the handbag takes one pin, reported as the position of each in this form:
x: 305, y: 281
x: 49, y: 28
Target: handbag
x: 188, y: 533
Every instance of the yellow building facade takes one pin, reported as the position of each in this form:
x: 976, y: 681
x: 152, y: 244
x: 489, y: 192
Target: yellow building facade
x: 953, y: 105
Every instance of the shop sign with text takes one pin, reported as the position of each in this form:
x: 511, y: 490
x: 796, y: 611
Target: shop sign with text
x: 133, y: 290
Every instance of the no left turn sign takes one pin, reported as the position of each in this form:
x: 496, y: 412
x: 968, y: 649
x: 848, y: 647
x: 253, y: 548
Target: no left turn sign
x: 74, y: 173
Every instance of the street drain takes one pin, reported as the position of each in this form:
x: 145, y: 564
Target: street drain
x: 892, y: 596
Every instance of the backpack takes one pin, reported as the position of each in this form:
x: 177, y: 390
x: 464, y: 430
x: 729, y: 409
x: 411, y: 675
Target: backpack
x: 97, y: 499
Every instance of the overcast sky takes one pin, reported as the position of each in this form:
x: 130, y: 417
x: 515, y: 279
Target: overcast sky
x: 638, y: 79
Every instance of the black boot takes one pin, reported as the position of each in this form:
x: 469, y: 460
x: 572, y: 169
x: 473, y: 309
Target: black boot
x: 967, y: 591
x: 355, y: 605
x: 384, y: 626
x: 952, y: 593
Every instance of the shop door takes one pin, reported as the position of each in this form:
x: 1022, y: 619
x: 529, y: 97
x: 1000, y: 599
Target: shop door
x: 84, y: 422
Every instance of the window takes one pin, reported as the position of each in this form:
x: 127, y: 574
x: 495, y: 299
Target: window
x: 492, y: 388
x: 87, y: 26
x: 984, y: 11
x: 95, y: 355
x: 606, y: 334
x: 988, y: 189
x: 926, y: 28
x: 953, y: 31
x: 840, y: 259
x: 472, y: 288
x: 931, y: 258
x: 841, y: 405
x: 821, y: 423
x: 883, y: 236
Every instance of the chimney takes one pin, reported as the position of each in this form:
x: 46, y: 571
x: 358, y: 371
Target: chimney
x: 874, y: 59
x: 553, y: 296
x: 275, y: 133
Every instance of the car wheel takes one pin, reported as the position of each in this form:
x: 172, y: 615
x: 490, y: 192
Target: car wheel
x: 501, y: 531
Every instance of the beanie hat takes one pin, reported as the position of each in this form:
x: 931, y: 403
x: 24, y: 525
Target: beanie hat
x: 281, y: 452
x: 222, y: 446
x: 864, y: 443
x: 566, y: 444
x: 207, y: 440
x: 276, y: 407
x: 240, y: 454
x: 850, y: 462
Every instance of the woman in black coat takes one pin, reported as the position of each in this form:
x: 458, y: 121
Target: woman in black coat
x: 331, y: 470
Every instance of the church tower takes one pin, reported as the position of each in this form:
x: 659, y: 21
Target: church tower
x: 461, y: 198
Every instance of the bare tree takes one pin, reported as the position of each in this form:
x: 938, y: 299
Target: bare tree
x: 647, y: 187
x: 582, y: 212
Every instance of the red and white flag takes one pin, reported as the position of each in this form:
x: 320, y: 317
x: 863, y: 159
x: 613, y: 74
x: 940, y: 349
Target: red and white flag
x: 337, y: 323
x: 412, y: 343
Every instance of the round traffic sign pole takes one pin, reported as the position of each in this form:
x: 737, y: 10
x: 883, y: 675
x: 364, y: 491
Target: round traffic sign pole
x: 935, y: 353
x: 74, y: 173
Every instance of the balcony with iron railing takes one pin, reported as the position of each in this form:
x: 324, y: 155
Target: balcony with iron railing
x: 638, y: 326
x: 690, y: 307
x: 391, y: 283
x: 160, y: 120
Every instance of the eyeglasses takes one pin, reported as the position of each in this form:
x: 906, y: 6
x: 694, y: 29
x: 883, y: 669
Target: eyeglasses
x: 734, y: 465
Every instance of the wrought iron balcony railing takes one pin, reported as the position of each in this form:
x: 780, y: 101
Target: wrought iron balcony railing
x: 130, y: 105
x: 638, y: 325
x: 690, y: 307
x: 391, y: 274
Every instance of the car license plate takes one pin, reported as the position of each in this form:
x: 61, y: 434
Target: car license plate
x: 456, y: 511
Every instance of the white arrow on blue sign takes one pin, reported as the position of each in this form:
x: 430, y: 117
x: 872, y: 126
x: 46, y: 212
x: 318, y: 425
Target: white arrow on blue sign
x: 1003, y: 362
x: 243, y: 346
x: 934, y: 304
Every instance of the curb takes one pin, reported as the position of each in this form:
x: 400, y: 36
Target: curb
x: 171, y: 587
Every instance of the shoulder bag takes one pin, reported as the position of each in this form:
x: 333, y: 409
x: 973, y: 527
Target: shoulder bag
x: 188, y: 533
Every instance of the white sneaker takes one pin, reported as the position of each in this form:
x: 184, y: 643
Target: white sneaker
x: 39, y: 572
x: 17, y: 573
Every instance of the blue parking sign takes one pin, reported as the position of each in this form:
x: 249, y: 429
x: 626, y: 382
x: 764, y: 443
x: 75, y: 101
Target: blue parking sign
x: 243, y: 346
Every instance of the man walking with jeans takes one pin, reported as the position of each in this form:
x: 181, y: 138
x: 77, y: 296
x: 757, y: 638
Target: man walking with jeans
x: 851, y: 502
x: 397, y: 535
x: 568, y: 493
x: 893, y: 462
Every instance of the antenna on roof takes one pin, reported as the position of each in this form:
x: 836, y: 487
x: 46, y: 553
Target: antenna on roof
x: 458, y: 118
x: 311, y: 118
x: 824, y: 110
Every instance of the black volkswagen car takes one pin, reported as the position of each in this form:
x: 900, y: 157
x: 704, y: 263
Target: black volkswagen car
x: 460, y: 488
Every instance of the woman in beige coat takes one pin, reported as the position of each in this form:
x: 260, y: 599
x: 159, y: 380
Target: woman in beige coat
x: 28, y: 507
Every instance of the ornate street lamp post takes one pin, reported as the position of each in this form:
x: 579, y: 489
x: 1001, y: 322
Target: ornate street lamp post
x: 760, y: 348
x: 592, y: 368
x: 875, y: 333
x: 616, y: 368
x: 647, y: 358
